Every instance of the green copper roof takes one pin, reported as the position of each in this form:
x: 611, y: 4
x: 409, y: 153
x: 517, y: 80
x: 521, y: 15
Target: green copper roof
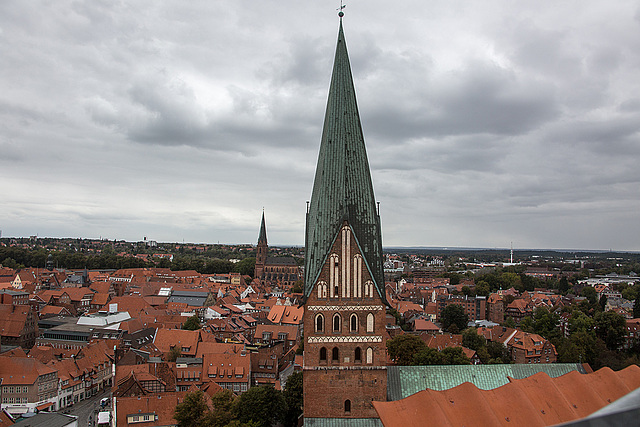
x: 263, y: 231
x: 342, y: 189
x: 403, y: 381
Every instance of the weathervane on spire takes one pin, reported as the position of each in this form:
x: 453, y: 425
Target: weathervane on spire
x: 342, y: 6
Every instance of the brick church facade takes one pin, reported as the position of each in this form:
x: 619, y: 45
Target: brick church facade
x: 344, y: 367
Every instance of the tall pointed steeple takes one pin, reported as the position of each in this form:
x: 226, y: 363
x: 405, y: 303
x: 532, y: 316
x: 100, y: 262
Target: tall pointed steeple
x: 262, y: 237
x: 344, y: 361
x: 342, y: 189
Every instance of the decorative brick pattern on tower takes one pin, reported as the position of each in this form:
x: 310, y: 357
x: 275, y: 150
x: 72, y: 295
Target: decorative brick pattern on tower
x: 344, y: 349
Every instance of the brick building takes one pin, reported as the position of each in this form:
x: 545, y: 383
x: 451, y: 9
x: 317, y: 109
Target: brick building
x: 531, y: 348
x: 27, y: 384
x: 474, y: 307
x: 18, y: 325
x: 344, y: 366
x: 495, y: 308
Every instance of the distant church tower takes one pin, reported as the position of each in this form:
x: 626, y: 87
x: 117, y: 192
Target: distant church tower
x: 344, y: 293
x: 263, y: 248
x: 279, y: 271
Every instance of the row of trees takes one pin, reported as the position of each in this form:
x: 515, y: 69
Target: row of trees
x: 410, y: 350
x: 261, y: 406
x: 595, y: 336
x: 16, y: 258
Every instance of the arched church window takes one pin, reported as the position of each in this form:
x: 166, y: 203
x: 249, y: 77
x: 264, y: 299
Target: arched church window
x: 319, y: 322
x: 334, y: 289
x: 368, y: 289
x: 323, y: 354
x: 353, y: 323
x: 357, y: 276
x: 369, y: 355
x: 336, y: 322
x: 358, y: 355
x: 334, y: 354
x: 347, y: 405
x: 370, y: 322
x: 322, y: 290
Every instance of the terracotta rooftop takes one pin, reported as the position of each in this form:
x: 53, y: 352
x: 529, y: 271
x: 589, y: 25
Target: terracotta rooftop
x: 534, y: 401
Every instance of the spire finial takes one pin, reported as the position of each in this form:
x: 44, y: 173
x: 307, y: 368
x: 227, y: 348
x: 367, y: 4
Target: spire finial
x: 340, y: 12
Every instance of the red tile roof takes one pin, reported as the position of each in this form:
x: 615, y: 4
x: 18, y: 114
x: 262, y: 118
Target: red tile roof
x: 162, y: 405
x: 534, y: 401
x: 21, y: 370
x: 286, y: 314
x: 186, y: 341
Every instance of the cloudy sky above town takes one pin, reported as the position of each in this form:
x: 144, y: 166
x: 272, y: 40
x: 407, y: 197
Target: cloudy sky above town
x: 486, y: 122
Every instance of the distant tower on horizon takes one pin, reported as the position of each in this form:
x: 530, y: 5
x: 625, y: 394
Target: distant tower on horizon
x: 511, y: 252
x: 282, y: 271
x: 344, y: 367
x: 262, y: 249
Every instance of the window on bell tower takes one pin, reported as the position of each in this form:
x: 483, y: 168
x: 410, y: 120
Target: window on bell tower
x: 319, y: 323
x: 334, y: 288
x: 353, y: 323
x: 337, y: 320
x: 322, y: 290
x: 370, y: 320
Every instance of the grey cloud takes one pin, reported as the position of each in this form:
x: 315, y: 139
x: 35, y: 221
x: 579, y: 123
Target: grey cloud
x: 475, y: 100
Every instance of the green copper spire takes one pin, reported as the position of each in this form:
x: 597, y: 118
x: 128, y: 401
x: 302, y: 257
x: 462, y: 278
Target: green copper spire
x: 342, y: 189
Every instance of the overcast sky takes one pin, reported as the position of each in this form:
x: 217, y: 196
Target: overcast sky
x: 486, y: 122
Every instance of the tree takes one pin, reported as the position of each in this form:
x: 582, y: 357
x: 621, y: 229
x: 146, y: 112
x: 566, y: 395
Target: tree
x: 603, y: 302
x: 611, y: 328
x: 636, y: 309
x: 580, y: 322
x: 509, y: 322
x: 563, y: 285
x: 527, y: 324
x: 174, y: 353
x: 293, y: 397
x: 472, y: 339
x: 246, y: 267
x: 454, y: 314
x: 591, y: 295
x: 222, y: 413
x: 428, y: 356
x: 482, y: 288
x: 402, y: 348
x: 298, y: 286
x: 454, y: 356
x: 498, y: 353
x: 192, y: 410
x: 192, y: 323
x: 545, y: 323
x: 263, y: 405
x: 630, y: 293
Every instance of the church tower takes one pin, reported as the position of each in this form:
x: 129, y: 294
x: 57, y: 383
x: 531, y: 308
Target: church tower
x: 262, y: 249
x: 344, y: 351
